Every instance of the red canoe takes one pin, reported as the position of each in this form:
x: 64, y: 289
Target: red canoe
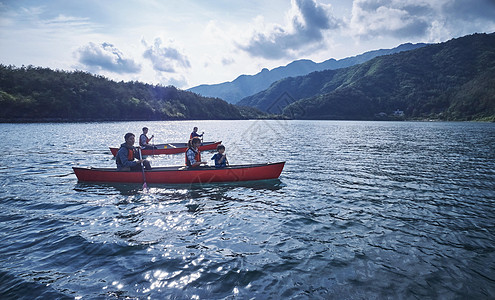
x: 183, y: 175
x: 172, y: 148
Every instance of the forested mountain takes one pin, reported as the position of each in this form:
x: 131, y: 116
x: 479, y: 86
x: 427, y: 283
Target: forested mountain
x: 454, y: 80
x: 41, y: 94
x: 246, y: 85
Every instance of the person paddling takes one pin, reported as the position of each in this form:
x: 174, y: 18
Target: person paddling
x: 144, y: 141
x: 195, y: 133
x: 193, y: 155
x: 127, y: 154
x: 220, y: 157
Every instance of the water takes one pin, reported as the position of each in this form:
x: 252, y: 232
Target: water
x: 362, y: 210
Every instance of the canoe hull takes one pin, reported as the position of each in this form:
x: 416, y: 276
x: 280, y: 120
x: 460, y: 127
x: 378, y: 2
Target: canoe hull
x: 172, y: 148
x: 175, y: 175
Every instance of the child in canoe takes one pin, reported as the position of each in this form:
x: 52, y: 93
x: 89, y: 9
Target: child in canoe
x: 193, y: 155
x: 220, y: 157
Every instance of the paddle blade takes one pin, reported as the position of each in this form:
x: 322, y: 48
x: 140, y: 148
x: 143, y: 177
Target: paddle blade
x: 145, y: 186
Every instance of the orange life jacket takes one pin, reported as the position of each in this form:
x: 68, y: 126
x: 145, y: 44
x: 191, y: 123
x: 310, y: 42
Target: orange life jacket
x: 130, y: 155
x: 197, y: 157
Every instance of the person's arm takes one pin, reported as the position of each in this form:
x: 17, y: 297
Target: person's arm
x: 191, y: 157
x: 215, y: 158
x: 218, y: 159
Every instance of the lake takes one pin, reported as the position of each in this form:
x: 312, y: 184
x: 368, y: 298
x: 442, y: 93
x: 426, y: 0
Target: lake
x: 362, y: 210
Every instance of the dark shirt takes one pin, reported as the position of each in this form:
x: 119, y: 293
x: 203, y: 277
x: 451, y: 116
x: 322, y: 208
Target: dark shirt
x: 122, y: 158
x: 195, y: 134
x: 217, y: 158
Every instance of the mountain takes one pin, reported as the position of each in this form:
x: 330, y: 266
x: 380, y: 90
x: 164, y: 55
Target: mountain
x: 246, y: 85
x: 40, y: 94
x: 454, y: 80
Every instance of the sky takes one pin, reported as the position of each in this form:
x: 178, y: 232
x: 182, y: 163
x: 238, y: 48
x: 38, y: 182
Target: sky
x: 191, y: 42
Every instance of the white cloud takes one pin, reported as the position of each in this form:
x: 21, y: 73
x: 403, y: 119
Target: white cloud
x: 389, y: 18
x: 165, y: 58
x: 227, y: 61
x: 306, y: 22
x: 106, y: 57
x: 432, y: 19
x: 64, y: 21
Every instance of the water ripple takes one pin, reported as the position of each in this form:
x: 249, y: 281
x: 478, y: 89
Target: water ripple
x: 363, y: 210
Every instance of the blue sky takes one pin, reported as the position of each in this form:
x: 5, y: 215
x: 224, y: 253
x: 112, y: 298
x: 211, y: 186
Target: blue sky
x: 187, y: 43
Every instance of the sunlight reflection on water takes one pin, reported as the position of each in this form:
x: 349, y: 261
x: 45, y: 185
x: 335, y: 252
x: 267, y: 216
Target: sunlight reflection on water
x: 361, y: 210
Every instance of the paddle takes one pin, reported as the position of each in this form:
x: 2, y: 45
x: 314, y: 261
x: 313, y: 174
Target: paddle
x: 153, y: 146
x: 145, y: 186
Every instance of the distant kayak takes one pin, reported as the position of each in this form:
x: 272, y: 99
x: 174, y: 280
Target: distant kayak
x: 172, y: 148
x: 180, y: 174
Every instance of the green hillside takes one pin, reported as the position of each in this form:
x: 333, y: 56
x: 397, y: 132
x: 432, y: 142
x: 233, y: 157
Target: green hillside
x: 454, y: 80
x: 41, y: 94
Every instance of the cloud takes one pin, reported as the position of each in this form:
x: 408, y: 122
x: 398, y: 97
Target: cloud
x: 470, y: 10
x: 419, y: 18
x: 395, y: 18
x: 165, y: 58
x: 63, y: 20
x: 179, y: 82
x: 307, y: 20
x: 227, y: 61
x: 106, y: 57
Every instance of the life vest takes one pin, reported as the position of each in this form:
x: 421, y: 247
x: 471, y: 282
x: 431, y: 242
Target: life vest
x: 141, y: 139
x: 197, y: 157
x: 130, y: 155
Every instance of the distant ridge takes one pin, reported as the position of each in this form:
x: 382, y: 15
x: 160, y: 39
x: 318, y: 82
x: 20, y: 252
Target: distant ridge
x: 246, y: 85
x: 454, y: 80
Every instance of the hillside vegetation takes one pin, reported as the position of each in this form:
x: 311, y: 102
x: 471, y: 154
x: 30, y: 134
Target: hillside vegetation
x: 41, y: 94
x: 454, y: 80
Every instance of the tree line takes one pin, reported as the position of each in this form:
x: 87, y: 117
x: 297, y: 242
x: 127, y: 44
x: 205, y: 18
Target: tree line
x: 41, y: 94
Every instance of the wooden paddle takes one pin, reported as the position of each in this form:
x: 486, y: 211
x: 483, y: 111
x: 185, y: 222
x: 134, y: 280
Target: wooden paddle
x: 145, y: 186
